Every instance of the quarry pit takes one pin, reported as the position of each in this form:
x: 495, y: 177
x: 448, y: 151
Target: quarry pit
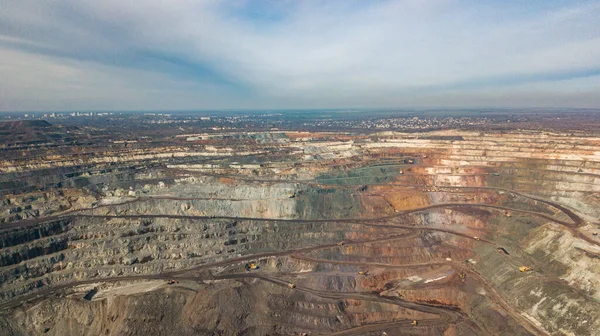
x: 347, y: 233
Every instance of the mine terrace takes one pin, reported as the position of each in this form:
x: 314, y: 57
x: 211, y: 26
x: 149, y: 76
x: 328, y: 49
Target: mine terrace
x: 300, y: 223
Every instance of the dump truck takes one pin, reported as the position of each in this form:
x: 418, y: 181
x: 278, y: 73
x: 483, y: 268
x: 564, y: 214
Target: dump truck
x: 508, y: 214
x: 414, y: 322
x: 172, y: 282
x: 363, y: 273
x: 462, y: 276
x: 502, y: 250
x: 291, y: 285
x: 524, y: 269
x: 476, y: 238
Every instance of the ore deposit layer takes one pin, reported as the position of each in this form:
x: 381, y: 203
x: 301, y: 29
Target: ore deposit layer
x: 352, y: 235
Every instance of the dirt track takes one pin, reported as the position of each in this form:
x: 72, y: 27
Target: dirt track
x: 446, y: 314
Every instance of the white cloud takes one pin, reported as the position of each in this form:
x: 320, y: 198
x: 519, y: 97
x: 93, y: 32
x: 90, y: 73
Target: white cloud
x: 313, y: 53
x: 30, y: 82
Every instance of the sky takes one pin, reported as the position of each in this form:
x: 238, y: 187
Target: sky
x: 245, y: 54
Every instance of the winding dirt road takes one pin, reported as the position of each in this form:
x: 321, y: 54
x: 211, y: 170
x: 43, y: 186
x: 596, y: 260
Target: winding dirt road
x: 446, y: 315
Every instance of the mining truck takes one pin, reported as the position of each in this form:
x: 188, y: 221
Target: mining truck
x: 524, y: 269
x: 291, y: 285
x: 502, y: 250
x: 414, y: 322
x: 363, y: 273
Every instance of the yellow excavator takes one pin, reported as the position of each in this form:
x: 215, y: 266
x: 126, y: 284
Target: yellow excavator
x: 414, y: 322
x: 291, y: 285
x: 363, y: 273
x: 250, y: 266
x: 508, y: 214
x: 462, y: 276
x: 524, y: 269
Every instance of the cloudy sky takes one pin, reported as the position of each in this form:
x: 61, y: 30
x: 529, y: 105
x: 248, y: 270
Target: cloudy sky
x: 196, y: 54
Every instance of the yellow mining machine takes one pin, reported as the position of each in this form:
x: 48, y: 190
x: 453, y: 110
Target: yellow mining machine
x: 502, y: 250
x: 250, y: 266
x: 524, y: 269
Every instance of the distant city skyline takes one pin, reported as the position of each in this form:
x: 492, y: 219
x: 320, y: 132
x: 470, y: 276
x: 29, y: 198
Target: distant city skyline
x: 201, y: 55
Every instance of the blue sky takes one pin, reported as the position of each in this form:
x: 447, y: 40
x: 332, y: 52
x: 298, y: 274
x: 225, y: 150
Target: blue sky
x: 184, y: 54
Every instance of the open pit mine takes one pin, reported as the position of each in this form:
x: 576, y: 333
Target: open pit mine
x: 291, y: 232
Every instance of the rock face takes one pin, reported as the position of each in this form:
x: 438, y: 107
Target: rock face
x: 351, y: 234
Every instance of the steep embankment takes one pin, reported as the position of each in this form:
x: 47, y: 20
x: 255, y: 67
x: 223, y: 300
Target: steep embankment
x: 373, y: 232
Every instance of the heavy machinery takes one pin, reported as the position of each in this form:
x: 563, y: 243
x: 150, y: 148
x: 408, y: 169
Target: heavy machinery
x: 414, y: 322
x: 291, y: 285
x: 524, y: 269
x: 507, y: 213
x: 462, y: 276
x: 250, y: 266
x: 502, y: 250
x: 476, y: 238
x: 172, y: 282
x: 340, y: 243
x: 363, y: 273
